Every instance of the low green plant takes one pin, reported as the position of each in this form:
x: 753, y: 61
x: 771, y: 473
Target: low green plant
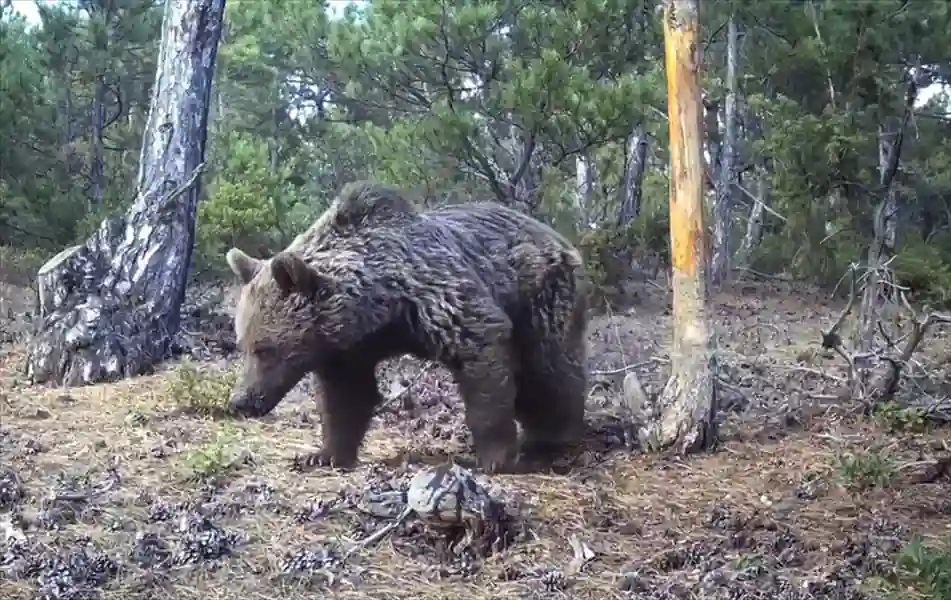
x: 922, y: 572
x: 863, y: 471
x: 214, y: 460
x: 201, y: 391
x: 895, y: 417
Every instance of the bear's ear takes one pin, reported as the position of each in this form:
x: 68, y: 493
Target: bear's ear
x: 244, y: 266
x: 292, y: 274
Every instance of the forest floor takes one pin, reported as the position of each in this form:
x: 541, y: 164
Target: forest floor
x: 124, y: 491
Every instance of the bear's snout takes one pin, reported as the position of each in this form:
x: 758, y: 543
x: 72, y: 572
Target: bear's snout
x: 248, y: 405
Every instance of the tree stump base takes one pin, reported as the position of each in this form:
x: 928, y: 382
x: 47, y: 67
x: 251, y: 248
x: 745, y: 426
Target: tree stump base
x: 110, y: 308
x: 91, y: 327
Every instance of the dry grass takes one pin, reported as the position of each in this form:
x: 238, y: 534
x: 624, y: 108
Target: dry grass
x: 774, y: 503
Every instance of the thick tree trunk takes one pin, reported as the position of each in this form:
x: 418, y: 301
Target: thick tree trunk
x: 723, y: 206
x: 682, y: 417
x: 110, y: 307
x: 631, y: 189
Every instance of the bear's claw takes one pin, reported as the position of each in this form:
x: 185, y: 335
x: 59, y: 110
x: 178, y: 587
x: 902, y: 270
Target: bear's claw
x: 315, y: 460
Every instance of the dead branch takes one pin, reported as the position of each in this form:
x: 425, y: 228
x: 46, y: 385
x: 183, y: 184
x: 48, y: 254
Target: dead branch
x: 761, y: 275
x: 888, y: 383
x: 831, y: 340
x: 631, y: 367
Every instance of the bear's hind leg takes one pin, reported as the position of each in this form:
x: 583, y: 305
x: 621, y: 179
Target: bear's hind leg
x: 552, y: 384
x: 482, y: 360
x: 487, y: 387
x: 349, y: 397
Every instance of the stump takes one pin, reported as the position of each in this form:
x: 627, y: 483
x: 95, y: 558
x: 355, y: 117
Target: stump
x: 109, y: 308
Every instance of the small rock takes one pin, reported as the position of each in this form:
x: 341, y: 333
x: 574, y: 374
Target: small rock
x: 39, y: 414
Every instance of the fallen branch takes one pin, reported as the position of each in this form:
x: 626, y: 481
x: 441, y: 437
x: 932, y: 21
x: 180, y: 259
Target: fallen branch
x: 631, y: 367
x: 380, y: 533
x: 762, y: 275
x: 888, y: 383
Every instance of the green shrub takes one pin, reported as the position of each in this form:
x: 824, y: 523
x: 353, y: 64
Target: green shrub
x: 201, y: 390
x: 925, y: 268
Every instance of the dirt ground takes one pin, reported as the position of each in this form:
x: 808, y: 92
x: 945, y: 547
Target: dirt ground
x: 113, y: 491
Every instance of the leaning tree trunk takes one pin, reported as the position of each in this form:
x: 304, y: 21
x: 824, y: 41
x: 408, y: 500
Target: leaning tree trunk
x: 884, y: 224
x: 681, y: 418
x: 110, y: 307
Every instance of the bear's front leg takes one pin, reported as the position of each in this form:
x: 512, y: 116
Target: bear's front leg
x: 349, y: 397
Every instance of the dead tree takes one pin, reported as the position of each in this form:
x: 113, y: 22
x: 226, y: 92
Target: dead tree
x: 631, y: 189
x: 681, y: 418
x: 878, y: 286
x: 110, y: 307
x: 880, y: 354
x: 754, y: 226
x: 723, y: 205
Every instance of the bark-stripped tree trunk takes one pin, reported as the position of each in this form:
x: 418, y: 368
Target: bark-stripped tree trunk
x: 110, y: 307
x: 631, y: 189
x: 682, y: 417
x: 723, y: 206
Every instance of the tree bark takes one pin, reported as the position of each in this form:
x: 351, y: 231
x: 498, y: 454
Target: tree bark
x: 110, y: 307
x: 631, y: 189
x: 681, y: 418
x: 723, y: 206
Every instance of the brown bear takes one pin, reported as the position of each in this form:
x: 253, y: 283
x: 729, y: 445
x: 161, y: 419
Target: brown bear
x: 496, y: 296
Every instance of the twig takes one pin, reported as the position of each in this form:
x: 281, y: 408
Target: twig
x: 802, y: 369
x: 763, y: 275
x: 630, y: 367
x: 380, y: 533
x: 889, y: 383
x: 581, y: 555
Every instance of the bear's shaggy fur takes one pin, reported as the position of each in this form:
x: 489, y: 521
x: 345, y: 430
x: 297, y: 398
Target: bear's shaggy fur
x: 497, y: 297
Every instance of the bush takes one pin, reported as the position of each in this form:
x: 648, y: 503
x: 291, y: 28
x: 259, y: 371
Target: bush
x: 201, y: 391
x: 925, y: 268
x: 18, y: 266
x: 614, y: 254
x: 249, y: 205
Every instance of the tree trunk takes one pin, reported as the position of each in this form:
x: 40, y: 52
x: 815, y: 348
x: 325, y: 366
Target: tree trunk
x: 631, y: 189
x: 97, y: 170
x: 754, y: 227
x: 723, y: 206
x: 110, y: 307
x: 884, y: 224
x: 584, y: 188
x: 682, y: 417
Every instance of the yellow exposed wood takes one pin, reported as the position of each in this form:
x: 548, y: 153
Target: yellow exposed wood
x: 681, y: 417
x: 686, y: 158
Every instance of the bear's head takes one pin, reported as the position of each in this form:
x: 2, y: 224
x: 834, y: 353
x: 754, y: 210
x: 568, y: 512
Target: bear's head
x: 275, y: 328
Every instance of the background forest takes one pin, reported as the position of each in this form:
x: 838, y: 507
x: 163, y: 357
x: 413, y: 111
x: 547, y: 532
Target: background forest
x: 563, y: 114
x: 826, y: 135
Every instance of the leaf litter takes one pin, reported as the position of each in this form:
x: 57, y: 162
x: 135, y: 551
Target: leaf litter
x: 99, y: 497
